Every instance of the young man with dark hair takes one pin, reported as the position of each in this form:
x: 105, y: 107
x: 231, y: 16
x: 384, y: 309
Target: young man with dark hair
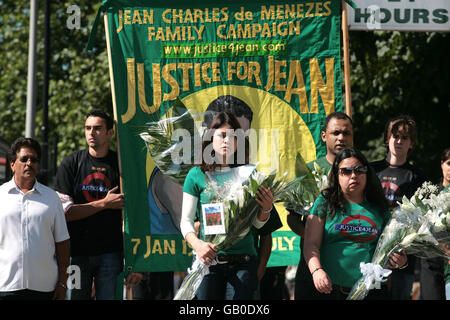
x: 34, y: 241
x: 88, y: 185
x: 399, y: 178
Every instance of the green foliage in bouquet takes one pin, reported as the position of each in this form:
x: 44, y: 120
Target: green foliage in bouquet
x: 242, y: 208
x: 420, y: 226
x: 303, y: 190
x: 161, y: 143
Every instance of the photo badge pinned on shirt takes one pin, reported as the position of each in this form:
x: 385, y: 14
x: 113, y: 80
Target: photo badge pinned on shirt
x: 214, y: 219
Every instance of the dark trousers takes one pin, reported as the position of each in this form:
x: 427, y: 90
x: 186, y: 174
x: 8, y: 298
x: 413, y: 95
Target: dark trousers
x: 305, y: 290
x: 272, y: 285
x: 26, y: 295
x: 154, y: 286
x: 103, y: 270
x: 432, y: 283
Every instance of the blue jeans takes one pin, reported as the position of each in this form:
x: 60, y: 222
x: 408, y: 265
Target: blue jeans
x: 230, y: 281
x: 103, y: 271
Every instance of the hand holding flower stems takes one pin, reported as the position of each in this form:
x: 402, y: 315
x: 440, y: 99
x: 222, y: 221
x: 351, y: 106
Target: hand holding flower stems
x: 397, y: 260
x: 205, y: 251
x: 265, y: 201
x: 242, y: 203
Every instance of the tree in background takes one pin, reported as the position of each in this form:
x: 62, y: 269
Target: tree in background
x: 395, y: 73
x: 79, y: 80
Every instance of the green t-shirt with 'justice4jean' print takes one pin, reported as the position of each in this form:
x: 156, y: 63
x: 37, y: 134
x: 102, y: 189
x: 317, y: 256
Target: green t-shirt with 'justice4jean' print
x: 349, y: 238
x: 195, y: 185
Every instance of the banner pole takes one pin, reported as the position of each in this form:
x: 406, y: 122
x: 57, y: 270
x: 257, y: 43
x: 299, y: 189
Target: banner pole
x: 113, y: 93
x: 348, y: 93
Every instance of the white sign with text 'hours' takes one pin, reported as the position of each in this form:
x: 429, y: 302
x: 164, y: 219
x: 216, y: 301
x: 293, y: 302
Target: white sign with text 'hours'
x: 402, y: 15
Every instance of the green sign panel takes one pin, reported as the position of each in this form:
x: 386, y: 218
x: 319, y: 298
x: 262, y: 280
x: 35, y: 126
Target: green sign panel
x: 282, y: 58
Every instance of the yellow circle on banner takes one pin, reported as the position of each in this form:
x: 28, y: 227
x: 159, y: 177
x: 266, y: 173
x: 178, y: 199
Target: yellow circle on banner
x: 277, y: 129
x: 281, y: 132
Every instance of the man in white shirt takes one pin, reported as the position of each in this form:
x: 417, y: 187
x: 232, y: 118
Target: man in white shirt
x: 34, y: 241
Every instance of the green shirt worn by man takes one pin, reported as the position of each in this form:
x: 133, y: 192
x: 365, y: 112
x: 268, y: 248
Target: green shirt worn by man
x: 322, y: 162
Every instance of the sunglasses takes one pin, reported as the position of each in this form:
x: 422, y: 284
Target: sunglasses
x: 347, y: 171
x: 25, y: 159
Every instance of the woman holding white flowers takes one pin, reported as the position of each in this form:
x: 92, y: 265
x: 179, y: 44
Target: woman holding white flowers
x: 344, y: 226
x: 435, y: 272
x: 233, y: 274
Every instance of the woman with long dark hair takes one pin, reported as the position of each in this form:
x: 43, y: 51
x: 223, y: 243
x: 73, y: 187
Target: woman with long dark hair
x: 234, y: 277
x: 344, y: 226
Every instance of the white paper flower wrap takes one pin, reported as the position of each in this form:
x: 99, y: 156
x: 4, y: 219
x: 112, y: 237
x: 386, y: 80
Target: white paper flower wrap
x: 374, y: 275
x: 420, y: 226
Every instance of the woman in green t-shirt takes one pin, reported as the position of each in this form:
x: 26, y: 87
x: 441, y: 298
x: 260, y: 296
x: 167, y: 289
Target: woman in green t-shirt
x: 344, y: 226
x: 234, y: 277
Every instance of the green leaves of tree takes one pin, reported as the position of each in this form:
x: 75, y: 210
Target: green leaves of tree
x: 395, y: 73
x: 79, y: 80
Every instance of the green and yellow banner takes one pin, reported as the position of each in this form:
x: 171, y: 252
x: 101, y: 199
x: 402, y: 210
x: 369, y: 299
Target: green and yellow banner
x: 282, y: 58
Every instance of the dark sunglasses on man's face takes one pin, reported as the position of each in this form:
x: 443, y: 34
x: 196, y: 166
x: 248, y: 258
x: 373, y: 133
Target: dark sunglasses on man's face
x: 347, y: 171
x: 25, y: 159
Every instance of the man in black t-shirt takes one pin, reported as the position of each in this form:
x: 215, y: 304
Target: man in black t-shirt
x: 88, y: 184
x: 399, y: 178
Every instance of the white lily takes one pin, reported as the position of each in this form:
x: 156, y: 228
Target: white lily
x: 409, y: 239
x: 420, y: 226
x: 407, y: 205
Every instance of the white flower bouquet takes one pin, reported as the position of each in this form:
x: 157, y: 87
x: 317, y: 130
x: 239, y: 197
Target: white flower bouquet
x: 173, y: 141
x: 304, y: 189
x: 420, y: 226
x: 240, y: 209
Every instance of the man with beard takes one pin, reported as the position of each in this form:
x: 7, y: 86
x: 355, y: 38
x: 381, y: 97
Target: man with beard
x: 88, y: 185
